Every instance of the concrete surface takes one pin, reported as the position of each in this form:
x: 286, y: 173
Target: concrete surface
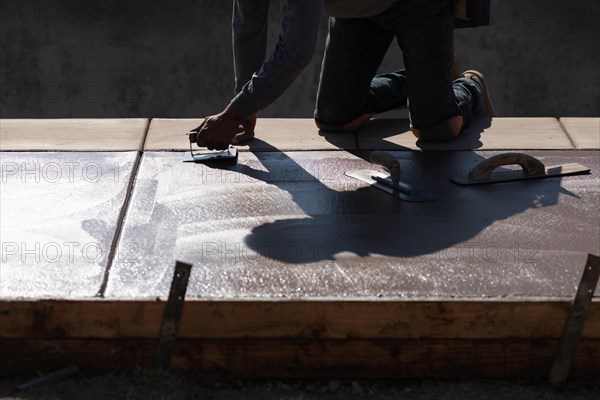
x: 583, y: 132
x: 172, y: 59
x: 73, y: 134
x: 289, y: 223
x: 292, y: 225
x: 377, y: 134
x: 282, y: 134
x: 475, y: 284
x: 59, y: 217
x: 483, y: 134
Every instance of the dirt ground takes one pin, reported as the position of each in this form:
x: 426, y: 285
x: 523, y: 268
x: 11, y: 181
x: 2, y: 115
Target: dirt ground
x: 156, y: 385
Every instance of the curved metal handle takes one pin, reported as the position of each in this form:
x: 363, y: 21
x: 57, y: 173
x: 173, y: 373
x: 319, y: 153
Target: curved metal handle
x: 388, y: 162
x: 192, y: 135
x: 531, y: 165
x: 195, y: 137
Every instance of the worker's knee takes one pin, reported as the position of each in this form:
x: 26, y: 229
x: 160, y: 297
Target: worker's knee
x: 327, y: 120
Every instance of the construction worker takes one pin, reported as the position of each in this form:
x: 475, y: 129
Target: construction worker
x: 441, y: 104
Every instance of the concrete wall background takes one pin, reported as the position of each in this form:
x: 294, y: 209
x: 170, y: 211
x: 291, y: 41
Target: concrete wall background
x: 173, y: 59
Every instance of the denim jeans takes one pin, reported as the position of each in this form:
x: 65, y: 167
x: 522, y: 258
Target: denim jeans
x: 424, y: 30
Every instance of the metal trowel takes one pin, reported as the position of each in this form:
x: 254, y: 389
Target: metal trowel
x: 532, y: 168
x: 391, y: 183
x: 199, y: 156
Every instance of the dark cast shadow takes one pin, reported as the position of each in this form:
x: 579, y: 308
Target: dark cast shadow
x: 345, y: 216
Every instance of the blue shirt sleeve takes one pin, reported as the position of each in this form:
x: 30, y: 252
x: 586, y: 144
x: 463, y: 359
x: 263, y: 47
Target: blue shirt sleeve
x: 261, y: 81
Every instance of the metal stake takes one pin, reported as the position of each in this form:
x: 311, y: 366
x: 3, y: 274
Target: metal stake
x: 172, y: 315
x: 575, y: 321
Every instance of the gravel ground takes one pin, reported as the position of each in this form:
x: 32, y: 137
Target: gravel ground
x: 155, y: 385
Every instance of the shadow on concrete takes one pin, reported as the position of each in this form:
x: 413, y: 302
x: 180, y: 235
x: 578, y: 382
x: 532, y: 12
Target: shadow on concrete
x: 469, y: 139
x: 367, y: 221
x: 375, y: 133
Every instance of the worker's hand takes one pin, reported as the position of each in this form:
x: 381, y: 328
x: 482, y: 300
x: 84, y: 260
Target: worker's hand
x: 217, y: 132
x: 245, y: 130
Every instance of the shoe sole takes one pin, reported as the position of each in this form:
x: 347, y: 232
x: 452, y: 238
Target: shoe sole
x: 488, y: 107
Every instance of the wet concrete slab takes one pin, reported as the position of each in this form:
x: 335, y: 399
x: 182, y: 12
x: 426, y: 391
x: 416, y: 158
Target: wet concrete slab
x: 73, y: 134
x: 59, y: 216
x: 292, y: 225
x: 584, y: 132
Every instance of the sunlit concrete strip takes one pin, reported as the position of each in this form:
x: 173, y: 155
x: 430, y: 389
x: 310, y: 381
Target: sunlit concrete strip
x: 72, y: 134
x: 584, y: 132
x: 483, y: 134
x: 278, y: 133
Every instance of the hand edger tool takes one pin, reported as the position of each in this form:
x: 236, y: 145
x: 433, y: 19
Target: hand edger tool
x: 391, y: 183
x: 199, y: 156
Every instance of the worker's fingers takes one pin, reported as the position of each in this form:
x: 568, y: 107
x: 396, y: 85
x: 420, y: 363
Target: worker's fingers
x: 199, y: 127
x: 200, y: 140
x: 217, y: 146
x: 199, y: 134
x: 250, y: 124
x: 243, y: 137
x: 246, y: 131
x: 212, y: 142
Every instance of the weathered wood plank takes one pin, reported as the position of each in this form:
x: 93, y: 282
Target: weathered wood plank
x: 299, y: 358
x: 324, y: 319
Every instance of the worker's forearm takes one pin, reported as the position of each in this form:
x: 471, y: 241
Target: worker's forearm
x: 294, y: 50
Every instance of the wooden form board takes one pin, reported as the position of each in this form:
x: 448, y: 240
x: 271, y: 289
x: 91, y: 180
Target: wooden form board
x: 299, y: 319
x: 273, y: 358
x: 318, y: 338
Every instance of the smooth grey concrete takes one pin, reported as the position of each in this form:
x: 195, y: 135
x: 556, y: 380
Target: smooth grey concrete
x: 59, y: 217
x: 292, y: 225
x: 172, y: 59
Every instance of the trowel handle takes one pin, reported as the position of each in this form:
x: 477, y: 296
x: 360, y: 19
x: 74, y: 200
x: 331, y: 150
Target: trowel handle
x: 389, y: 162
x: 531, y: 165
x: 194, y: 135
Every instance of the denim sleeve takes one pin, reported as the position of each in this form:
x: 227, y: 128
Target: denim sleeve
x: 259, y: 82
x: 250, y: 24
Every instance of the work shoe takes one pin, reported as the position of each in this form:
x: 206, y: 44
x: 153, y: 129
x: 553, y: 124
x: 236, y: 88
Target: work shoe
x: 479, y: 79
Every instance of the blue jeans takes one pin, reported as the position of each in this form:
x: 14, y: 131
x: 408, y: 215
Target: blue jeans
x: 424, y: 30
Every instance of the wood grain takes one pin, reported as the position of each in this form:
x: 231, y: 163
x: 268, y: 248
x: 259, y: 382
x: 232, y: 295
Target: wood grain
x: 324, y: 319
x: 424, y: 358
